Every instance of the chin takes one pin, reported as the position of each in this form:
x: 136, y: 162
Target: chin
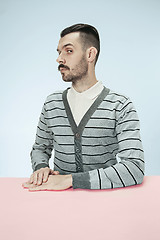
x: 66, y: 80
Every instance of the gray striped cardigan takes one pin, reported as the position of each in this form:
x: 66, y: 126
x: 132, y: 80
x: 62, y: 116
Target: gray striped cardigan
x: 89, y: 151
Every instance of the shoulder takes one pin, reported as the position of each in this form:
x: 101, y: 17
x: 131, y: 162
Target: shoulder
x: 117, y: 96
x: 57, y: 95
x: 118, y: 101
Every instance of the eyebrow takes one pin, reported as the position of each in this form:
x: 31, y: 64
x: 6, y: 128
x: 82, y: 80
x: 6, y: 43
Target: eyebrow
x: 66, y: 45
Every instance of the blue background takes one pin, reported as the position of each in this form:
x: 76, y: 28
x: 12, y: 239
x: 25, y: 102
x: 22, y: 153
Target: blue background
x: 129, y: 63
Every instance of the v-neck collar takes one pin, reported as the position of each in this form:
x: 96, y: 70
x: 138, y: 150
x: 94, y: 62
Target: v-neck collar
x: 91, y: 93
x: 79, y: 129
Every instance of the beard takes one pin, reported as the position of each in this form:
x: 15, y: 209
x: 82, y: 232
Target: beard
x: 77, y: 73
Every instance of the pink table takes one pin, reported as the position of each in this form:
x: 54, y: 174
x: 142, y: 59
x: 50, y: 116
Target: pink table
x: 131, y: 213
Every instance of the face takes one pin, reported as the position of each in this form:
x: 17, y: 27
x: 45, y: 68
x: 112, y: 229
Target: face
x: 72, y: 59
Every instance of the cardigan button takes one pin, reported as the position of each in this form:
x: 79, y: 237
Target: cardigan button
x: 77, y: 135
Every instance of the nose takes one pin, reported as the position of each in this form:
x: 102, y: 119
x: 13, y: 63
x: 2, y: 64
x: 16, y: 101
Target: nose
x: 60, y: 59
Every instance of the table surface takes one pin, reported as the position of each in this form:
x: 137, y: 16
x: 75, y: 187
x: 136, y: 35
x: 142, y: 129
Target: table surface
x: 131, y: 213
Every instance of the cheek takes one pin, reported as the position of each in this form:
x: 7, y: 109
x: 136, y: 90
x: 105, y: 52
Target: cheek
x: 74, y: 61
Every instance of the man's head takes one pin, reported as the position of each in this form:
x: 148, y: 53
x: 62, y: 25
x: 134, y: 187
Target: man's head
x: 79, y: 46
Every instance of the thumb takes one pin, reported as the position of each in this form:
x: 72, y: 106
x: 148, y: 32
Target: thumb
x: 54, y: 172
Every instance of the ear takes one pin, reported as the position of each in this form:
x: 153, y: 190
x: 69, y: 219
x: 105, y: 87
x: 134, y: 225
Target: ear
x: 91, y: 54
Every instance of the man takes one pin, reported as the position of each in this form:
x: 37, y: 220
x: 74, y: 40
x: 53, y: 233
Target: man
x: 87, y: 125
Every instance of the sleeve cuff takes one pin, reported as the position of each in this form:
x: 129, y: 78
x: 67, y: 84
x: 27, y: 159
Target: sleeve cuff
x: 81, y: 180
x: 41, y: 165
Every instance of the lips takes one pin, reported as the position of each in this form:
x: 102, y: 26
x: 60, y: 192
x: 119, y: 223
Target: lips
x: 63, y: 69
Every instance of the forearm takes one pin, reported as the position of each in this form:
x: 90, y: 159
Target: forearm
x: 43, y: 146
x: 122, y: 174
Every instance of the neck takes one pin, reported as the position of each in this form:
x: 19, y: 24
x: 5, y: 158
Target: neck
x: 85, y: 83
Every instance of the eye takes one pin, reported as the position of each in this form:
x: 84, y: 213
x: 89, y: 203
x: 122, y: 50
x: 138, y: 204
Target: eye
x: 69, y: 51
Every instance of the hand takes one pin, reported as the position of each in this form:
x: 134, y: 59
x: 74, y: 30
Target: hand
x: 55, y: 182
x: 41, y: 175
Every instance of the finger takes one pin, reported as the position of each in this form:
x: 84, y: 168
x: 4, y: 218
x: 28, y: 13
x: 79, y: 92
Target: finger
x: 54, y: 172
x: 40, y: 178
x: 45, y: 176
x: 31, y: 179
x: 28, y: 180
x: 35, y: 177
x: 37, y: 188
x: 24, y: 184
x: 27, y: 185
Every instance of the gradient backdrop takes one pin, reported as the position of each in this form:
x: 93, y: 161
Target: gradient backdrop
x: 129, y: 63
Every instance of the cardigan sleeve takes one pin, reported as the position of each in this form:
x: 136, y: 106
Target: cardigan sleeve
x: 129, y: 170
x: 43, y: 146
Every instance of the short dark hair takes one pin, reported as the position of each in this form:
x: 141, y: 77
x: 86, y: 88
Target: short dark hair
x: 88, y: 34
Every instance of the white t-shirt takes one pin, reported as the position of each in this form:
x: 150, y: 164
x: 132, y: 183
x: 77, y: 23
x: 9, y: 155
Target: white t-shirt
x: 81, y: 102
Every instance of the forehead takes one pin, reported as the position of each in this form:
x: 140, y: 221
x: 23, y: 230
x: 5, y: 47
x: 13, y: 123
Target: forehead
x: 71, y: 38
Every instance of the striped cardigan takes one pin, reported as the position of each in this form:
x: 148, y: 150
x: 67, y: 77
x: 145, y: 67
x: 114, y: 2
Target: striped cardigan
x: 89, y: 151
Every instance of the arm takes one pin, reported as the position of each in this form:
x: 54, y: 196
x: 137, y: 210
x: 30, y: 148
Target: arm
x: 44, y: 178
x: 43, y: 146
x: 130, y: 170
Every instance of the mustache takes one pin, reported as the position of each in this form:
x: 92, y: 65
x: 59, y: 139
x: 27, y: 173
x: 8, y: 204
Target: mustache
x: 62, y: 66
